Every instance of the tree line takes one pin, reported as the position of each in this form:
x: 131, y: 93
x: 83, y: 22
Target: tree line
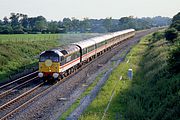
x: 19, y: 23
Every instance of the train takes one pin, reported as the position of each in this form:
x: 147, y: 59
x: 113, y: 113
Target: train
x: 57, y: 63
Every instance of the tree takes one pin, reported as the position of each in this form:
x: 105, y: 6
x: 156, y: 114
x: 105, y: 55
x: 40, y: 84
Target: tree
x: 157, y: 36
x: 174, y: 60
x: 6, y: 29
x: 18, y: 29
x: 176, y: 17
x: 67, y: 24
x: 171, y: 34
x: 24, y: 22
x: 14, y: 19
x: 53, y: 27
x: 61, y: 28
x: 107, y: 23
x: 124, y: 23
x: 40, y: 24
x: 75, y: 25
x: 176, y: 22
x: 85, y: 25
x: 5, y: 20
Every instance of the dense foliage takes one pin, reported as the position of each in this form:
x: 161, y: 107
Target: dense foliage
x: 176, y: 22
x: 156, y: 87
x: 154, y: 93
x: 21, y: 23
x: 174, y: 61
x: 171, y: 34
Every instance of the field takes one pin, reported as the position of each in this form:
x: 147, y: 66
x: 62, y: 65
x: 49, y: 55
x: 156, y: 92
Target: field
x: 152, y: 94
x: 19, y: 52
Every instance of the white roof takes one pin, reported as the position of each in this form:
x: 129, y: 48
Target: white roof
x: 95, y: 40
x: 85, y: 43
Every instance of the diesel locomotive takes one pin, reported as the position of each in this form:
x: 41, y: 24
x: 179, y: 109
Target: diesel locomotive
x: 59, y: 62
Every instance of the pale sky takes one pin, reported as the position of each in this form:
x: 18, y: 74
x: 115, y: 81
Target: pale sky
x: 58, y: 9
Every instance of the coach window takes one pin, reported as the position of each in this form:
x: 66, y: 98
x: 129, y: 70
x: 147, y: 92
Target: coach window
x: 91, y: 48
x: 84, y: 51
x: 75, y: 55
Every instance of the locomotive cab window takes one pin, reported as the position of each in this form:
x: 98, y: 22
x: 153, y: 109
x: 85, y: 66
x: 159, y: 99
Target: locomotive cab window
x: 54, y: 57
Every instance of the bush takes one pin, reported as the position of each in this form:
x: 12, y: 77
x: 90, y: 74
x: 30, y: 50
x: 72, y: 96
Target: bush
x: 158, y: 36
x: 176, y: 25
x: 174, y: 61
x: 171, y: 34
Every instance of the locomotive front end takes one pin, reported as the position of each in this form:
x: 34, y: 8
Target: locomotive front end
x: 49, y: 65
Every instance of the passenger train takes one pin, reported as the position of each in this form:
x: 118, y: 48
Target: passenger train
x: 58, y: 63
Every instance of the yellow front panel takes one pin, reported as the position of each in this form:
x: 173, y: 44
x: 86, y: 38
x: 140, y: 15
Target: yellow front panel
x: 55, y: 67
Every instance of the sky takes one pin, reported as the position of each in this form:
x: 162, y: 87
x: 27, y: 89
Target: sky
x: 95, y: 9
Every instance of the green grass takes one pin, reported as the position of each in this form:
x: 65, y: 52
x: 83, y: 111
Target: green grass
x: 18, y: 52
x: 28, y: 37
x: 152, y: 94
x: 77, y: 102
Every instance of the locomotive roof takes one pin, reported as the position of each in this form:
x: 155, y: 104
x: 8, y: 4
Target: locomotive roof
x: 53, y: 50
x: 67, y: 49
x: 63, y: 50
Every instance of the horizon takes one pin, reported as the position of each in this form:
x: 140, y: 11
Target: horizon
x: 87, y: 17
x: 57, y: 10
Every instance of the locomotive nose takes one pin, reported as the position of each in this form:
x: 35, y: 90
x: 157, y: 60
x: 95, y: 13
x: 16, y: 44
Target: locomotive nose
x: 48, y: 63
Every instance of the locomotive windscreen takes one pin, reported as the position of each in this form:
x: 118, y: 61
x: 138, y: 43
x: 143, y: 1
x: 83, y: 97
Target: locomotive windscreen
x: 49, y: 55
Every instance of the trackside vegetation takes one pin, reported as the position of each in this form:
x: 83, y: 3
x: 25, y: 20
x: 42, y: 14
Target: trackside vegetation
x: 154, y: 92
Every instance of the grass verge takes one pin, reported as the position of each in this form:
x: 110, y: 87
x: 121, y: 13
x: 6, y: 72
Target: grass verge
x: 86, y: 92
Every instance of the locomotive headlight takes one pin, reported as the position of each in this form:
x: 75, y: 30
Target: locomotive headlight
x: 55, y: 75
x: 48, y: 63
x: 40, y: 75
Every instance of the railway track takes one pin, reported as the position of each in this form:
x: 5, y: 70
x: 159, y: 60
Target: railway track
x: 5, y: 93
x: 17, y: 81
x: 8, y: 113
x: 15, y: 103
x: 12, y: 92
